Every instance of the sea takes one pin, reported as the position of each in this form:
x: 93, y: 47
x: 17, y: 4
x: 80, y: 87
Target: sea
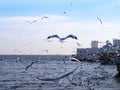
x: 55, y: 72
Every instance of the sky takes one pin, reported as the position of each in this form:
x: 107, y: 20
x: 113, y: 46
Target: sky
x: 18, y: 35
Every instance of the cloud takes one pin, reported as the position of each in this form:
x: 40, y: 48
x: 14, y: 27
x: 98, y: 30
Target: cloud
x: 16, y: 33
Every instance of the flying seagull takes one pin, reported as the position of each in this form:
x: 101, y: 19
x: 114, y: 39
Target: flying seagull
x: 45, y: 50
x: 44, y: 17
x: 99, y: 20
x: 64, y: 12
x: 62, y: 39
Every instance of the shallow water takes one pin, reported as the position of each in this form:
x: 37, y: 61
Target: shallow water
x: 88, y: 76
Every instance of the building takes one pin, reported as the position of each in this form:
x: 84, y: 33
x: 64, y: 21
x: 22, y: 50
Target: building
x: 94, y: 44
x: 116, y: 42
x: 88, y: 54
x: 107, y: 54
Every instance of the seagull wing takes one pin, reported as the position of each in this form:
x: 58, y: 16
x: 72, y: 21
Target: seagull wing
x: 34, y: 21
x: 71, y: 36
x: 53, y: 36
x: 44, y: 17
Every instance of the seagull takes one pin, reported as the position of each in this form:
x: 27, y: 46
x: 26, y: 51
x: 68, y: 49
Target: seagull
x: 45, y: 50
x: 64, y: 12
x: 99, y: 20
x: 18, y: 59
x: 74, y: 59
x: 62, y: 39
x: 44, y: 17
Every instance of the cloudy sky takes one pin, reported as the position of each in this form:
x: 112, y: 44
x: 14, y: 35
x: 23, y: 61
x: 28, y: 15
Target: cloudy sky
x: 18, y: 35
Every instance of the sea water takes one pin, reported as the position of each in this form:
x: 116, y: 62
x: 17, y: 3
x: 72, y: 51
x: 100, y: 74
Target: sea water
x: 88, y: 76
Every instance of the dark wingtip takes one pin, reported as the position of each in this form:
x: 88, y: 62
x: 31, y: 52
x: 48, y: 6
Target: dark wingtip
x: 76, y: 38
x: 48, y: 37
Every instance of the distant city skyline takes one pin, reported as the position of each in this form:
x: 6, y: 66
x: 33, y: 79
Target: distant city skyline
x: 26, y: 24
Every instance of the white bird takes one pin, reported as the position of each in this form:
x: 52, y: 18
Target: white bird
x: 45, y: 50
x: 62, y: 39
x: 33, y: 21
x: 74, y: 59
x: 44, y: 17
x: 99, y: 20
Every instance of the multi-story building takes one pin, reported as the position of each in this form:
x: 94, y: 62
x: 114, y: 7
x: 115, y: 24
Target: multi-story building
x: 94, y: 44
x: 108, y: 53
x: 89, y: 53
x: 116, y: 42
